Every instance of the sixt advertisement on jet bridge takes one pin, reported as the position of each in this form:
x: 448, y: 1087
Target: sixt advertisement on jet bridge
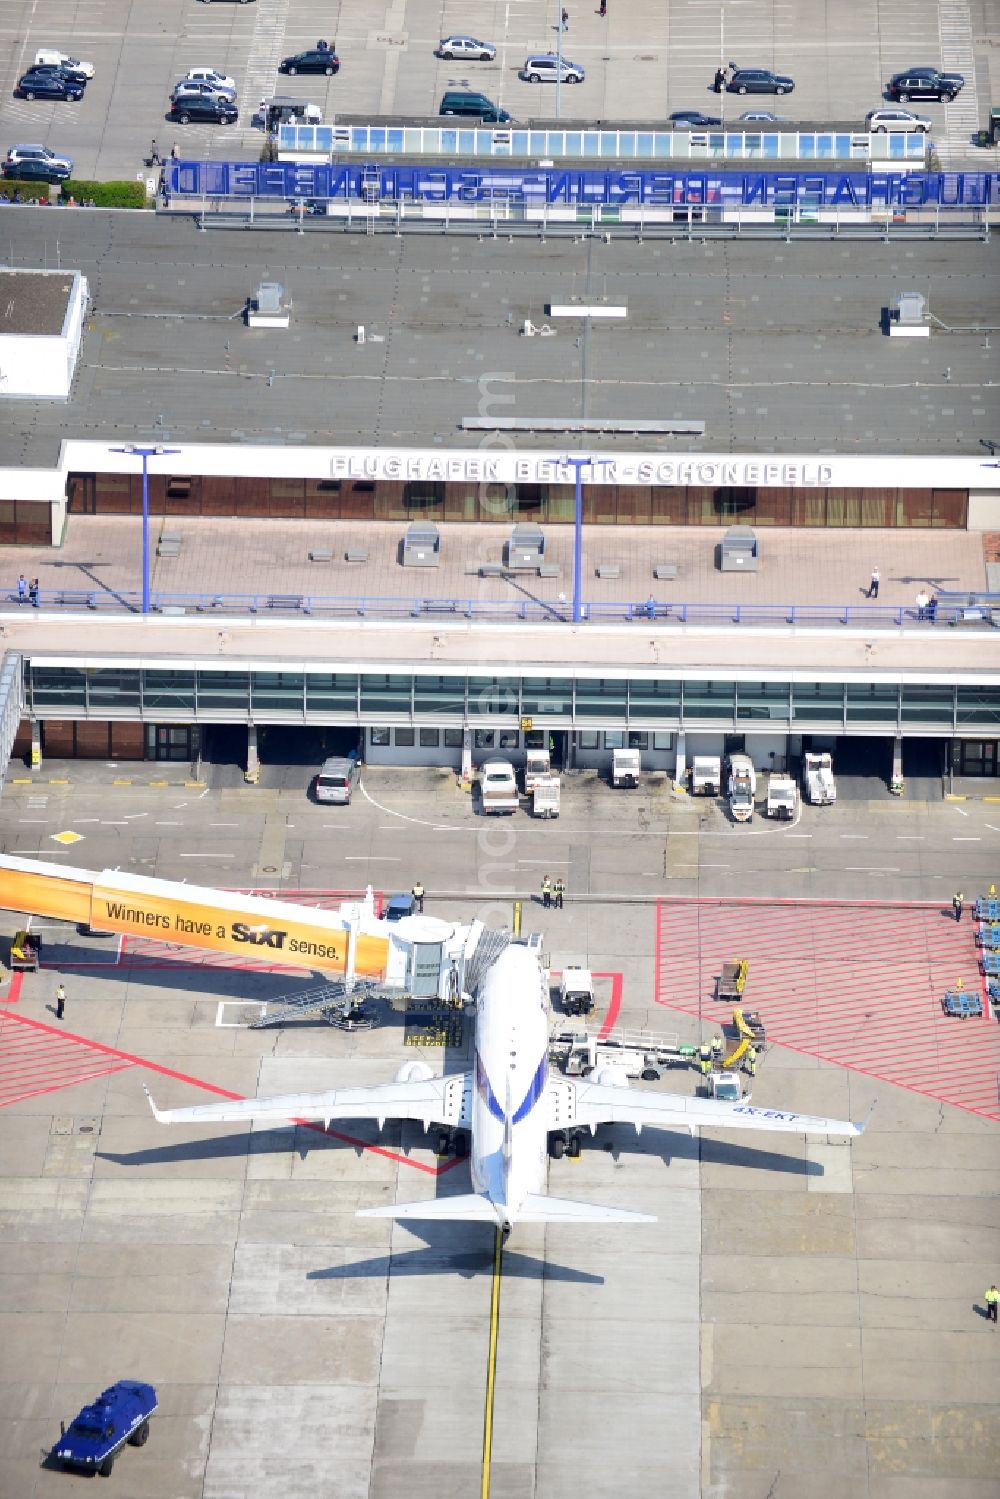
x: 223, y: 921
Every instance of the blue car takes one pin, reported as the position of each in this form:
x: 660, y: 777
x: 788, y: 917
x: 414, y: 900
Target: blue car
x: 48, y: 86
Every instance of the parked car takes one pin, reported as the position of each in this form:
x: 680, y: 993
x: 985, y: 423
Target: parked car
x: 209, y: 109
x: 63, y: 70
x: 220, y: 81
x: 36, y: 171
x: 547, y: 67
x: 473, y: 106
x: 188, y: 88
x: 48, y: 86
x: 466, y: 48
x: 22, y: 161
x: 314, y: 60
x: 924, y: 83
x: 762, y: 117
x: 63, y: 59
x: 335, y: 781
x: 684, y: 117
x: 759, y: 81
x: 881, y: 120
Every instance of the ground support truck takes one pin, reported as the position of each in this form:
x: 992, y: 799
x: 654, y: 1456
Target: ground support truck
x: 546, y: 795
x: 625, y: 767
x: 576, y: 990
x: 742, y: 787
x: 782, y: 798
x: 498, y: 789
x: 818, y: 785
x: 706, y: 775
x: 632, y: 1053
x: 537, y: 765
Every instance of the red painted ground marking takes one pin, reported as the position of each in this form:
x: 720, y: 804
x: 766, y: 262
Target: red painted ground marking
x: 16, y: 981
x: 856, y: 983
x: 58, y: 1040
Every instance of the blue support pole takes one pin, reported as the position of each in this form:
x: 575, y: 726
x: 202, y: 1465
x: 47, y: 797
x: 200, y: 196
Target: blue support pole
x: 134, y: 451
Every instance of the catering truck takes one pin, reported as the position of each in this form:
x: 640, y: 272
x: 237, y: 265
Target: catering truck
x: 782, y: 797
x: 706, y: 775
x: 818, y: 784
x: 742, y: 787
x: 625, y: 767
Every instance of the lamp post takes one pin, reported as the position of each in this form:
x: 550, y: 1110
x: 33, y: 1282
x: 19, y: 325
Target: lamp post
x: 145, y: 454
x: 578, y: 465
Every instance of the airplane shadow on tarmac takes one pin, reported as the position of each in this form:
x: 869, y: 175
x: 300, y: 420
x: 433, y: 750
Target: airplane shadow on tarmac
x: 455, y: 1248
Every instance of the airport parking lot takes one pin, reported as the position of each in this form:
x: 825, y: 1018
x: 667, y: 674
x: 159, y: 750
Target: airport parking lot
x: 800, y: 1321
x: 642, y: 61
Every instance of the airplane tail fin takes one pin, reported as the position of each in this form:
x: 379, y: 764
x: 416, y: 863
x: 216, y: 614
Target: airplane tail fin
x: 539, y: 1209
x: 468, y: 1206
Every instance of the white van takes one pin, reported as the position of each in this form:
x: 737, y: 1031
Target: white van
x: 335, y: 781
x: 52, y: 58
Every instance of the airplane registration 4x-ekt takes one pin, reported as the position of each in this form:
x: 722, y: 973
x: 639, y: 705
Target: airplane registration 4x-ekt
x: 512, y: 1105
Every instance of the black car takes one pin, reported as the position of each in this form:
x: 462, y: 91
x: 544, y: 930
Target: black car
x: 759, y: 81
x: 48, y: 86
x: 29, y: 170
x: 211, y: 109
x: 315, y: 60
x: 64, y: 70
x: 693, y: 117
x: 924, y: 83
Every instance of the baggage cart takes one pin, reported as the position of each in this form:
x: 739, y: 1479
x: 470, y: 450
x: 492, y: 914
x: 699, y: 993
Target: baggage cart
x: 961, y: 1003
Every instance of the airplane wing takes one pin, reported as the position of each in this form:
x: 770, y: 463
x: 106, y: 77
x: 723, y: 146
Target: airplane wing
x: 436, y: 1100
x: 588, y: 1104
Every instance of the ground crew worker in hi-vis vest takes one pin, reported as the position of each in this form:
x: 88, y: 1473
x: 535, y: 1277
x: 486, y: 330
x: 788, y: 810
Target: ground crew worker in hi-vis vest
x: 717, y: 1048
x: 705, y: 1058
x: 751, y: 1061
x: 957, y: 902
x: 418, y: 895
x: 991, y: 1298
x: 559, y: 892
x: 546, y: 891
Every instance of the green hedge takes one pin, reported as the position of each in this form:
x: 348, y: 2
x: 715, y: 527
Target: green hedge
x: 106, y: 194
x: 28, y: 190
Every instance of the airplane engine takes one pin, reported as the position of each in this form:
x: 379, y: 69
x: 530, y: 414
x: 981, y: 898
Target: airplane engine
x: 612, y: 1077
x: 414, y: 1072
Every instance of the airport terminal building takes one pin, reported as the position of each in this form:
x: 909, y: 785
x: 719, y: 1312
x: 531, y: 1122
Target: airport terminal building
x: 374, y: 455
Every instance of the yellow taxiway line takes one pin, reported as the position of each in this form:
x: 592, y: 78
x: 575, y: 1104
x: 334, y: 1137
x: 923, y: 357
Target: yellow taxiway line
x: 491, y: 1366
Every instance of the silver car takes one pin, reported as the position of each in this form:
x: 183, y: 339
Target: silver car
x: 191, y: 88
x: 467, y: 48
x: 336, y: 781
x: 547, y: 67
x: 881, y: 120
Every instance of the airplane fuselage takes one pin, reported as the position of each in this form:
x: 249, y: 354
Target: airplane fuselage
x: 509, y: 1138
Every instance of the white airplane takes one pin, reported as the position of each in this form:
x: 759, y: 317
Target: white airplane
x: 513, y: 1106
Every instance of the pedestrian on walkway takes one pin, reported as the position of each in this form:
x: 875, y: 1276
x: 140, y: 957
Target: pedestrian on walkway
x: 155, y: 159
x: 559, y: 892
x: 876, y: 578
x: 546, y: 891
x: 719, y: 81
x: 565, y: 19
x: 604, y: 8
x: 33, y: 592
x: 418, y: 895
x: 60, y: 1001
x: 991, y: 1298
x: 651, y: 607
x: 22, y: 589
x: 957, y: 902
x: 932, y: 607
x: 923, y: 603
x: 174, y: 152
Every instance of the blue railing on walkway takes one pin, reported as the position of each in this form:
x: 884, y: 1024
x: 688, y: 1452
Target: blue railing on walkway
x: 985, y: 610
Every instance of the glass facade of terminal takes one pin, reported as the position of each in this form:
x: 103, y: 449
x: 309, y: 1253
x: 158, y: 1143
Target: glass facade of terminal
x: 550, y: 504
x: 203, y: 693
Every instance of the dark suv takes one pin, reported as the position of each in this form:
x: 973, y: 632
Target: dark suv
x: 924, y: 83
x: 209, y: 108
x: 48, y: 86
x: 315, y: 60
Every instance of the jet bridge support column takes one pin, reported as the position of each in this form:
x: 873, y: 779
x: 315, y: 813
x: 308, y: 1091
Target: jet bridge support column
x: 36, y: 744
x: 252, y: 772
x: 896, y: 783
x: 680, y: 764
